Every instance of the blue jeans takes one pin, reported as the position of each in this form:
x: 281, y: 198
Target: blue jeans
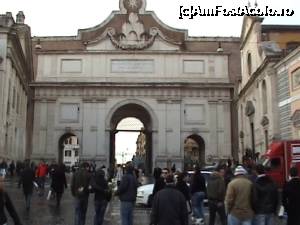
x: 264, y: 219
x: 80, y: 210
x: 127, y: 213
x: 100, y: 207
x: 197, y: 204
x: 232, y: 220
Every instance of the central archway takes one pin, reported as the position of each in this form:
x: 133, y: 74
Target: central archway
x: 141, y: 113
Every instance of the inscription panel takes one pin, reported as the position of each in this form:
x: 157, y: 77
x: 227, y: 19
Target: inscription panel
x: 132, y: 66
x: 195, y: 114
x: 193, y: 66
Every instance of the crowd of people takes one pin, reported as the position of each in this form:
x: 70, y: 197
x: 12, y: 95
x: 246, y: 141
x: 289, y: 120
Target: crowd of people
x: 240, y: 195
x: 243, y: 195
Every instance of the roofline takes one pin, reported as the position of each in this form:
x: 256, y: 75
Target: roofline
x: 287, y: 58
x: 271, y: 27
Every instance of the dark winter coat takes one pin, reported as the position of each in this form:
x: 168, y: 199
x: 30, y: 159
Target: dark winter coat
x: 158, y: 185
x: 169, y: 207
x: 128, y: 188
x: 27, y: 178
x: 198, y: 183
x: 184, y: 189
x: 59, y: 181
x: 5, y: 202
x: 266, y: 195
x: 291, y: 200
x: 216, y: 189
x: 99, y: 185
x: 80, y: 180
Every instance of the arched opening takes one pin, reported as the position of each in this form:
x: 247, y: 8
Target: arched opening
x: 194, y: 151
x: 131, y: 121
x: 68, y: 150
x: 128, y: 132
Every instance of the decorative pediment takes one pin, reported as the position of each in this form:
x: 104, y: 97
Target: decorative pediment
x: 132, y: 28
x: 296, y: 118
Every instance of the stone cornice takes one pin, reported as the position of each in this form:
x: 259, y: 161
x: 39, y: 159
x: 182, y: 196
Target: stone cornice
x: 127, y: 52
x: 102, y: 85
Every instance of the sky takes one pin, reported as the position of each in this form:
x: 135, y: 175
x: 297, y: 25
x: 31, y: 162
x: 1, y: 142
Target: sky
x: 65, y: 17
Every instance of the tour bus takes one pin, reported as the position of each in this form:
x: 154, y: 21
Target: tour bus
x: 280, y: 157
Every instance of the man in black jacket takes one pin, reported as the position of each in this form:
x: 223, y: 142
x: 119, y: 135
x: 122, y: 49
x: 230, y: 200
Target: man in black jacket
x: 80, y: 188
x: 127, y: 193
x: 27, y: 178
x: 266, y: 198
x: 291, y: 198
x: 169, y: 206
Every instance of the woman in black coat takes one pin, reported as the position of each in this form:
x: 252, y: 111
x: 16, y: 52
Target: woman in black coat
x: 27, y: 177
x: 5, y: 202
x: 59, y: 182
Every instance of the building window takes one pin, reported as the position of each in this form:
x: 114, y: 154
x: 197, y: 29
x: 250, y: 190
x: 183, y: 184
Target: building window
x: 8, y: 101
x: 266, y: 140
x: 76, y: 153
x: 264, y: 98
x: 249, y: 64
x: 68, y: 153
x: 18, y: 103
x: 14, y: 98
x: 296, y: 78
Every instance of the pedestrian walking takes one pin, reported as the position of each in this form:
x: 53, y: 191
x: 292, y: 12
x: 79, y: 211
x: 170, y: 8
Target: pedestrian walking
x: 266, y: 198
x: 27, y: 177
x: 159, y: 176
x: 291, y: 197
x: 12, y: 167
x: 3, y: 168
x: 80, y: 188
x: 169, y: 206
x: 198, y: 191
x: 127, y: 193
x: 59, y: 182
x: 6, y: 203
x: 181, y: 185
x: 100, y: 188
x: 216, y: 189
x: 239, y: 199
x: 41, y: 173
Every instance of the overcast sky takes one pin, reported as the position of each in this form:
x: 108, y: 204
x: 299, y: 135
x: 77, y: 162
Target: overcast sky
x: 65, y: 17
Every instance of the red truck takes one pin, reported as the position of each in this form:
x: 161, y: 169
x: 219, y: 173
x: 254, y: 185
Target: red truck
x: 280, y: 157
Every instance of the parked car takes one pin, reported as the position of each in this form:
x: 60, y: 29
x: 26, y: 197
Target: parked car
x: 144, y: 192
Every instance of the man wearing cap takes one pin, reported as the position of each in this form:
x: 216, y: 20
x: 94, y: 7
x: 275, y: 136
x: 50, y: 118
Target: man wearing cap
x: 239, y: 199
x: 169, y: 206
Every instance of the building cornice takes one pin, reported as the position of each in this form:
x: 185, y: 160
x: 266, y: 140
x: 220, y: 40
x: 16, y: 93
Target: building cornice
x: 131, y: 85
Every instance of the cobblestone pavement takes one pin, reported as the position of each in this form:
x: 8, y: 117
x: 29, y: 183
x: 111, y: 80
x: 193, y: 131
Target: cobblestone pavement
x: 44, y: 212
